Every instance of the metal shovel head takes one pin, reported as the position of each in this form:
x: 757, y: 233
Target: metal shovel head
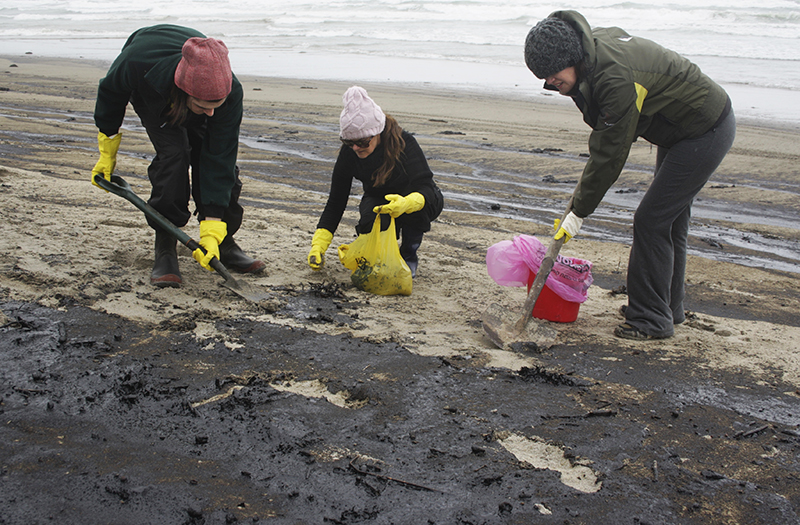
x: 240, y: 288
x: 504, y: 329
x: 247, y: 291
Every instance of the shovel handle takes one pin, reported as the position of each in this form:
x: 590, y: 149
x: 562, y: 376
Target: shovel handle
x: 539, y: 282
x: 542, y: 275
x: 119, y: 186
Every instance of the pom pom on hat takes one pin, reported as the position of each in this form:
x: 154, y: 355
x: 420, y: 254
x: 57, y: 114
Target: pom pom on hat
x: 551, y: 46
x: 361, y: 116
x: 204, y: 71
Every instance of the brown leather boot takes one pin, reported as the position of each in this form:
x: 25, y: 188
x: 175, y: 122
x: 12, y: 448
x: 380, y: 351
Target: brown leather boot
x: 233, y: 258
x: 165, y: 268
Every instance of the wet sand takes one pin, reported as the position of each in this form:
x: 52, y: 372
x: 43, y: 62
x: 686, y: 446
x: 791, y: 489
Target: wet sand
x: 330, y: 382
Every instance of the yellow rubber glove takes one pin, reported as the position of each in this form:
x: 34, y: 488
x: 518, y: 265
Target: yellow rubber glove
x: 570, y: 228
x: 399, y: 205
x: 211, y: 234
x: 108, y: 156
x: 319, y: 244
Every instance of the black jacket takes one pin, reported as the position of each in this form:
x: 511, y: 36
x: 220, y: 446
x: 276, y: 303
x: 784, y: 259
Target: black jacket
x: 410, y: 174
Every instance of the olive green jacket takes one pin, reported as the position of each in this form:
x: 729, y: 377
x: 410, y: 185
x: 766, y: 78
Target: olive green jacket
x: 630, y: 87
x: 144, y: 74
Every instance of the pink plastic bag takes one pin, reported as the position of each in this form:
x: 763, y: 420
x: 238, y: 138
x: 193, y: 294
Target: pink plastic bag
x: 510, y: 263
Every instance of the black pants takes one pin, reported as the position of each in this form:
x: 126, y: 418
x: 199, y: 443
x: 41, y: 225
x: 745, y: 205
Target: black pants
x: 178, y: 149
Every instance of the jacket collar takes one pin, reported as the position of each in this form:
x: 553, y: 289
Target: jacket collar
x: 162, y: 75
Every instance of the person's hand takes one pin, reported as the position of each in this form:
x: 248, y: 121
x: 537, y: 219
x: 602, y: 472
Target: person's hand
x: 570, y: 227
x: 399, y: 205
x: 108, y: 156
x: 211, y: 234
x: 319, y: 244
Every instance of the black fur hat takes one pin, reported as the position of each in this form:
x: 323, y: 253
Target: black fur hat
x: 551, y: 46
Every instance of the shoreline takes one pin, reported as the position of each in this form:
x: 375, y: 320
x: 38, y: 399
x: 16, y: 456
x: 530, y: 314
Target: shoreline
x: 756, y: 181
x: 757, y: 106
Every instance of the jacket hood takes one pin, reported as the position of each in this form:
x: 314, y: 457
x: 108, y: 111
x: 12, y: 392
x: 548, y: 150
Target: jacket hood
x: 584, y: 30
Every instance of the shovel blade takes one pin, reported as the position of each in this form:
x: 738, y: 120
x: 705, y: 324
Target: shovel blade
x: 245, y: 290
x: 502, y: 326
x: 240, y: 288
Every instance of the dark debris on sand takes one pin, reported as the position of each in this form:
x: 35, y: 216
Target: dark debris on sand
x: 108, y: 421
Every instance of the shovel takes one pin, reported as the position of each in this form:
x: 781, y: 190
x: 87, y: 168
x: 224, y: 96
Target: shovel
x: 120, y: 187
x: 506, y: 327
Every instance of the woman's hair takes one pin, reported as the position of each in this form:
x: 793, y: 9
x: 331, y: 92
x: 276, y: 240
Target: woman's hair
x: 178, y: 109
x: 393, y: 146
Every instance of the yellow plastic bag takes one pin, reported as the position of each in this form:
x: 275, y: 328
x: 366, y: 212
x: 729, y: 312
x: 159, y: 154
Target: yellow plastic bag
x: 375, y: 261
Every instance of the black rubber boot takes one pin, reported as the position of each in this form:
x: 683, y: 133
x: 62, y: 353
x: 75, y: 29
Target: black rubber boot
x: 165, y: 268
x: 233, y: 258
x: 408, y: 248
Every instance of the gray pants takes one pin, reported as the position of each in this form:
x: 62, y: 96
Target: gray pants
x: 657, y: 266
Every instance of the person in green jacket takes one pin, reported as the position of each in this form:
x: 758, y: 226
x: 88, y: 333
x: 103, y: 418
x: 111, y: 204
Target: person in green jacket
x: 182, y: 88
x: 629, y: 87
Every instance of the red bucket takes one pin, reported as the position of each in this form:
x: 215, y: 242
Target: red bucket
x: 551, y: 307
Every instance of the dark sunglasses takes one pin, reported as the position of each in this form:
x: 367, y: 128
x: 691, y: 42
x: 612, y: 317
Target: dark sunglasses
x: 361, y: 143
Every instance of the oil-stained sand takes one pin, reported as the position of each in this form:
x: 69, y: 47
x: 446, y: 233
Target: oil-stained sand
x: 122, y: 403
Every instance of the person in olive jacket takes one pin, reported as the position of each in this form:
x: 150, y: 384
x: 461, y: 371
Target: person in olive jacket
x: 393, y: 171
x: 629, y: 87
x: 181, y: 86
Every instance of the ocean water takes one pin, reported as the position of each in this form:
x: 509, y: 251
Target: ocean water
x: 752, y: 48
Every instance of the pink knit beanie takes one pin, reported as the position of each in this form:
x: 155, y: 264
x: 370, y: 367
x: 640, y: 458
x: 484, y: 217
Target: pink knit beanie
x: 361, y: 116
x: 204, y: 72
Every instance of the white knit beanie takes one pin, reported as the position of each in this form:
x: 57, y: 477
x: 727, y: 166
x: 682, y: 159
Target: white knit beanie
x: 361, y: 116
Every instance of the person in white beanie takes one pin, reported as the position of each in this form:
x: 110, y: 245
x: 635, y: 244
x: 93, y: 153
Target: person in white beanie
x: 393, y: 171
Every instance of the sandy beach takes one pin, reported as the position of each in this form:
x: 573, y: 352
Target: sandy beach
x: 67, y: 244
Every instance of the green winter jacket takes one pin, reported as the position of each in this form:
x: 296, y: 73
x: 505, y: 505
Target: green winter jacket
x: 143, y: 74
x: 630, y: 87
